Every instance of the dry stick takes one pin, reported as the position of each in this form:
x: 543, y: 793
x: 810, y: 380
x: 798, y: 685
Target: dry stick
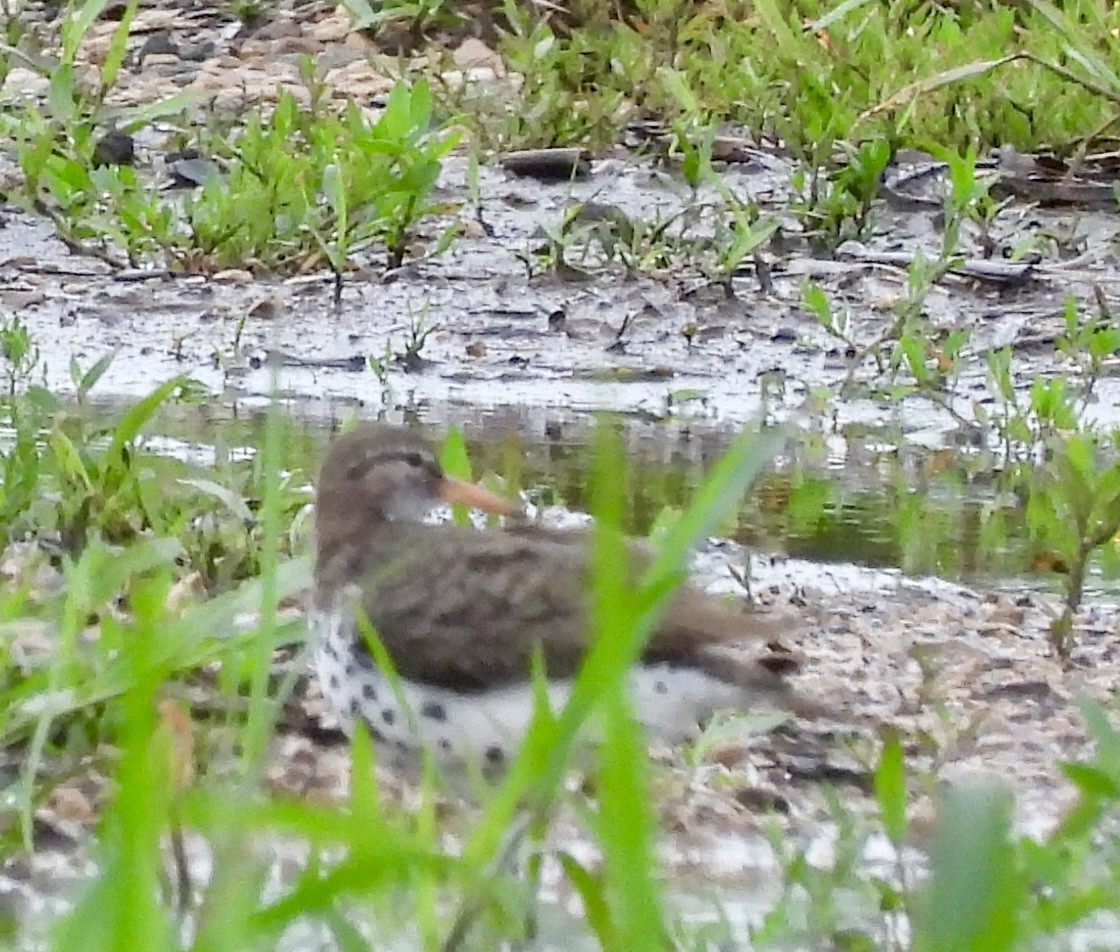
x: 1090, y: 137
x: 72, y: 244
x: 183, y: 885
x: 1103, y: 91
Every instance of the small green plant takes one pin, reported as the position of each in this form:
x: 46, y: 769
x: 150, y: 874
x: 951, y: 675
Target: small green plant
x: 1087, y: 344
x: 564, y: 98
x: 90, y: 481
x: 825, y: 907
x: 909, y: 344
x: 249, y: 11
x: 837, y: 207
x: 351, y: 183
x: 84, y: 381
x: 1073, y: 514
x: 1052, y: 406
x: 381, y: 365
x: 1066, y: 470
x: 418, y: 333
x: 19, y: 353
x: 354, y: 184
x: 417, y: 14
x: 748, y: 232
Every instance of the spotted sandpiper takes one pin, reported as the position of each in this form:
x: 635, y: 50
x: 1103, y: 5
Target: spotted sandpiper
x: 462, y: 611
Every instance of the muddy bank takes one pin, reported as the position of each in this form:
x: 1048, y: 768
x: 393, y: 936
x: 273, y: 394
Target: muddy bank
x: 656, y: 344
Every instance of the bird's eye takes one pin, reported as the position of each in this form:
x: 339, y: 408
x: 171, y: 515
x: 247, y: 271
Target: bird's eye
x: 415, y: 459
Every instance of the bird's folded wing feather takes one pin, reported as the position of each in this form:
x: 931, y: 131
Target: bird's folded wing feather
x: 468, y: 609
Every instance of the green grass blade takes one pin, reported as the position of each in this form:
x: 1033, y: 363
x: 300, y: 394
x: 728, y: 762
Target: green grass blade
x: 973, y: 900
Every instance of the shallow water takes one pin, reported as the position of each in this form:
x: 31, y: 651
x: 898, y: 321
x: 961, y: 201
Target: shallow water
x: 864, y: 496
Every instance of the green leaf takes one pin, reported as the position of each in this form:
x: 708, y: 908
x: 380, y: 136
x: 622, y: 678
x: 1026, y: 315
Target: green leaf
x: 1105, y: 737
x: 134, y: 419
x: 118, y: 46
x: 597, y: 910
x: 814, y: 298
x: 890, y: 789
x: 1092, y: 780
x: 972, y: 902
x: 109, y: 571
x: 68, y: 459
x: 231, y: 500
x: 363, y: 14
x: 74, y: 27
x: 85, y: 382
x: 455, y: 462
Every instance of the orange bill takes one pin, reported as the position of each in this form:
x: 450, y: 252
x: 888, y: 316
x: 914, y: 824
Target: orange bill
x: 475, y: 496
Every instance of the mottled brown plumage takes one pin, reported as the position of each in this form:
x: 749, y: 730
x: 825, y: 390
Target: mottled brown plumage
x: 463, y: 609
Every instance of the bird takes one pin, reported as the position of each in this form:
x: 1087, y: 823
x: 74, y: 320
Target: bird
x: 463, y: 612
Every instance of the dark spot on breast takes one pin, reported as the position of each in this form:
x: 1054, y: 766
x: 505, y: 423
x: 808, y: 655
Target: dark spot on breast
x: 369, y: 692
x: 661, y: 687
x: 335, y: 682
x: 388, y: 715
x: 402, y: 746
x: 360, y: 653
x: 494, y: 754
x: 355, y: 707
x: 434, y: 710
x: 377, y: 735
x: 330, y: 649
x: 444, y: 744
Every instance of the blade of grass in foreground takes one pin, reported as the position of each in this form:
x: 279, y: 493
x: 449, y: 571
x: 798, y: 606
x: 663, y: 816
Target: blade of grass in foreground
x: 211, y: 631
x: 625, y: 829
x: 34, y: 704
x: 540, y: 764
x: 263, y: 710
x: 371, y: 858
x: 976, y: 892
x: 123, y: 908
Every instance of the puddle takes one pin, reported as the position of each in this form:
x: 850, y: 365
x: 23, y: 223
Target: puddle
x: 864, y: 497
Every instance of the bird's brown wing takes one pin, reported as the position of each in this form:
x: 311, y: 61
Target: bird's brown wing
x: 465, y: 609
x: 700, y: 629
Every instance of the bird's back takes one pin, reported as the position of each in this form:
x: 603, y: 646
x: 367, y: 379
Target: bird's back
x: 467, y: 609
